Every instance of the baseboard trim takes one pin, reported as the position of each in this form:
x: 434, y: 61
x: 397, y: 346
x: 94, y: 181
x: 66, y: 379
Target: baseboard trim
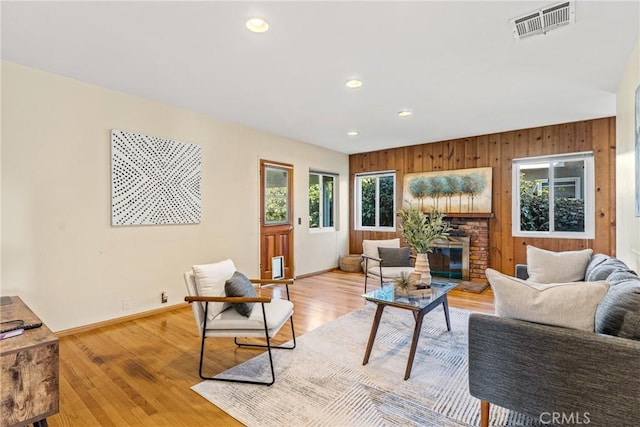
x: 315, y: 273
x: 117, y: 320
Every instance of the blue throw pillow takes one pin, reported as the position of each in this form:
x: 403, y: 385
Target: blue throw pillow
x: 240, y: 286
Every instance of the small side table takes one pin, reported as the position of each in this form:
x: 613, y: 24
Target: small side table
x: 28, y: 370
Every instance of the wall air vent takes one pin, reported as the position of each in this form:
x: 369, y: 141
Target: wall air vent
x: 543, y: 20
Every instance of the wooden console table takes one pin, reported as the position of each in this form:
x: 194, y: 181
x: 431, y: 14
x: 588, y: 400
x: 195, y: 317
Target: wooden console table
x: 28, y: 370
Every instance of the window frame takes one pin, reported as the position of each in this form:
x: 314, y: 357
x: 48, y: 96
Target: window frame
x: 588, y: 196
x: 321, y: 175
x: 357, y: 201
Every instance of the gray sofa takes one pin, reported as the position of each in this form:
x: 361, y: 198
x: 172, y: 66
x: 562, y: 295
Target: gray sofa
x: 562, y: 376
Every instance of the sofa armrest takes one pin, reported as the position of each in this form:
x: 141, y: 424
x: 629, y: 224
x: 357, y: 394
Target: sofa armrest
x: 521, y: 271
x: 536, y: 369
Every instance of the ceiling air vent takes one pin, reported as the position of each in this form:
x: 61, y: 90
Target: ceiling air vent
x: 543, y: 20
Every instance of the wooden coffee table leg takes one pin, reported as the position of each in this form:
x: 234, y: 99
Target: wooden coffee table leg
x: 414, y: 345
x: 374, y: 331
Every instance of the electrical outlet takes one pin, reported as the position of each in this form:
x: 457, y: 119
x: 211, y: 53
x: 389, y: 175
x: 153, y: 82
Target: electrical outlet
x: 165, y: 298
x: 126, y: 303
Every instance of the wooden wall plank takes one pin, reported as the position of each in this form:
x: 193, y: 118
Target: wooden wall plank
x: 496, y: 232
x: 459, y: 155
x: 507, y: 149
x: 536, y: 142
x: 567, y: 135
x: 605, y: 184
x: 471, y: 153
x: 482, y: 151
x: 520, y: 148
x: 612, y: 186
x: 497, y: 151
x: 427, y: 158
x: 582, y: 136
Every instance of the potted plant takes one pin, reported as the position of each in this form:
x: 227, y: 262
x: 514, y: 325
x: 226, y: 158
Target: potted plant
x: 403, y: 282
x: 421, y: 231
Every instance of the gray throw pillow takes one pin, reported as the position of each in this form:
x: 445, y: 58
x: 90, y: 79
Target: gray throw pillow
x: 394, y: 257
x: 603, y: 270
x: 621, y: 276
x: 596, y: 260
x: 619, y: 311
x: 240, y: 286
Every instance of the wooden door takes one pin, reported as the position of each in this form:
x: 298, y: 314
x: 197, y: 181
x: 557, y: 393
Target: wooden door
x: 276, y: 216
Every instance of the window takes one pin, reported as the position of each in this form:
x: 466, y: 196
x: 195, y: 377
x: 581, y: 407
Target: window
x: 276, y: 195
x: 321, y: 200
x: 554, y: 196
x: 375, y: 201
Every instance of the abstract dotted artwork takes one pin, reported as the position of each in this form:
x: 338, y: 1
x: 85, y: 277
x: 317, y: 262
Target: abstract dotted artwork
x: 154, y: 180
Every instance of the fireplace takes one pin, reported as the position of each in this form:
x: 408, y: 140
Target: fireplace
x: 450, y: 258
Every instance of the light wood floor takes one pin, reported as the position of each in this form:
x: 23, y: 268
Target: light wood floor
x: 140, y: 372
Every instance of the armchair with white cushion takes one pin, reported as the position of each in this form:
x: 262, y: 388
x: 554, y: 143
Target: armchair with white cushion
x: 385, y: 260
x: 225, y: 304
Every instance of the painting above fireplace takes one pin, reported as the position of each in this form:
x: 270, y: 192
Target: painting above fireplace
x: 455, y: 191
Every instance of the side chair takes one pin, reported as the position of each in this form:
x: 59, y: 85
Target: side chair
x: 216, y: 317
x: 395, y: 262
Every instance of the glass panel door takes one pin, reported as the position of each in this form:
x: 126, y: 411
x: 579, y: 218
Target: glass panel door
x: 276, y: 195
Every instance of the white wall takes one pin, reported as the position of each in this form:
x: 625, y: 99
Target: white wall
x: 627, y: 224
x: 59, y: 251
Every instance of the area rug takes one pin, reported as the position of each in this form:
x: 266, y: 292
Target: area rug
x: 323, y: 382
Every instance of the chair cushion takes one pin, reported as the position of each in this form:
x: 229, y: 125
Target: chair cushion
x: 395, y: 257
x: 556, y: 267
x: 370, y: 248
x: 390, y: 273
x: 569, y: 305
x: 210, y: 281
x: 240, y: 286
x: 277, y: 311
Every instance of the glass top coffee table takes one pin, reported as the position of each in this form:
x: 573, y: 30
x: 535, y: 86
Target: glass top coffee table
x: 420, y: 302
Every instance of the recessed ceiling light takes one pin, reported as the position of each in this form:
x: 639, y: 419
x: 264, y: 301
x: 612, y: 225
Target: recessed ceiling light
x: 404, y: 113
x: 353, y: 133
x: 257, y: 25
x: 353, y: 84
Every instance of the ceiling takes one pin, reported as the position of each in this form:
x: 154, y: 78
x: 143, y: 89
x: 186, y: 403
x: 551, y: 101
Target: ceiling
x: 455, y: 65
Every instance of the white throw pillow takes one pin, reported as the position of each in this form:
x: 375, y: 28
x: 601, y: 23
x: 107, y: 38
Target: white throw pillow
x: 370, y: 248
x: 556, y: 267
x: 210, y: 281
x: 569, y: 305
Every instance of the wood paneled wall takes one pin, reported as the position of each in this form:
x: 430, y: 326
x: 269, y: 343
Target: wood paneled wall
x: 497, y: 150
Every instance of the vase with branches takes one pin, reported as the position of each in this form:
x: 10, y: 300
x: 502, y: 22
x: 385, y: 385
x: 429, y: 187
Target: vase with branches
x: 421, y: 231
